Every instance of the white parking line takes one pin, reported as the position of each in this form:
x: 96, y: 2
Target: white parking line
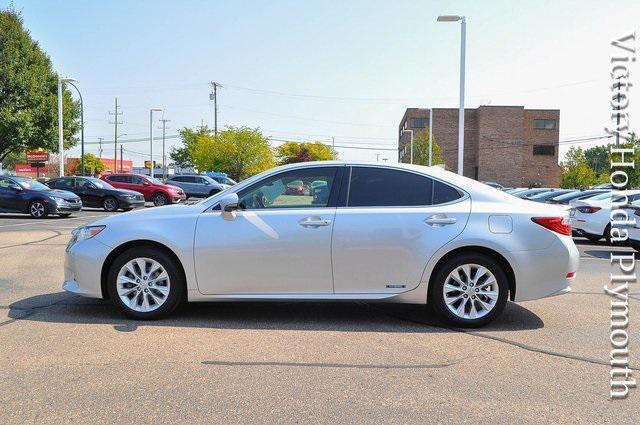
x: 42, y: 222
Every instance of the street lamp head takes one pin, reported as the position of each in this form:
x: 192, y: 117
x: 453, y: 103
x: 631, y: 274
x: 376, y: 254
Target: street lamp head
x: 68, y: 80
x: 156, y: 109
x: 450, y: 18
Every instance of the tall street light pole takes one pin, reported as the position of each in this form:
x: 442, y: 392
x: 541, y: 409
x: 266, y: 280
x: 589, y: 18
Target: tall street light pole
x: 463, y: 36
x: 81, y: 126
x: 214, y: 96
x: 60, y: 123
x: 151, y: 111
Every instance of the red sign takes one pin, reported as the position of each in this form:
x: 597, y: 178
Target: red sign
x: 29, y: 169
x: 123, y: 166
x: 37, y: 156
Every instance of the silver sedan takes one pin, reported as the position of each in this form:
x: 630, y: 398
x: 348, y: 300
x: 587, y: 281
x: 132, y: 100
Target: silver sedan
x: 396, y: 233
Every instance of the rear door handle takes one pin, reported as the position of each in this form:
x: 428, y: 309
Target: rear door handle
x: 439, y: 220
x: 314, y: 222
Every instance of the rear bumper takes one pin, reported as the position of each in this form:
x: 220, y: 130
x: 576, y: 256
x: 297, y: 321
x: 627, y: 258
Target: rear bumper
x: 543, y: 273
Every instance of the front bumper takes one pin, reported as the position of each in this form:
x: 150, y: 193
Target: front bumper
x: 65, y: 207
x: 83, y: 267
x: 130, y: 203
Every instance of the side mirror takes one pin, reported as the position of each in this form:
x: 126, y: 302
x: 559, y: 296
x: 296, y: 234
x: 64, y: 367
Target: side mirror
x: 146, y: 183
x: 229, y: 205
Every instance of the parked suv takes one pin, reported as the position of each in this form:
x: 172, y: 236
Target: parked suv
x: 152, y: 189
x: 197, y: 186
x: 97, y: 193
x: 25, y: 195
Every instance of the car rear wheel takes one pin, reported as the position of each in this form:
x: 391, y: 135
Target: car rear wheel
x: 110, y: 204
x: 38, y: 209
x: 160, y: 199
x: 469, y: 290
x: 145, y: 283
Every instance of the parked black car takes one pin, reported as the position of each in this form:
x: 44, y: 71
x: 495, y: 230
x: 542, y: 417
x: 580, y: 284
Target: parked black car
x: 98, y: 193
x: 25, y: 195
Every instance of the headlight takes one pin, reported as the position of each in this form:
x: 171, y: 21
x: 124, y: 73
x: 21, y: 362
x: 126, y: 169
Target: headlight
x: 128, y: 196
x: 84, y: 233
x: 56, y: 199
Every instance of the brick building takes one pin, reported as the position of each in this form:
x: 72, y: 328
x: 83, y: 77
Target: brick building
x: 510, y: 145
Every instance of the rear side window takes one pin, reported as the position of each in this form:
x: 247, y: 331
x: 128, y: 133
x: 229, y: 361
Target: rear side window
x: 383, y: 187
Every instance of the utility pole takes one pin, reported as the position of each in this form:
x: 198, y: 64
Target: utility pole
x: 377, y: 157
x: 430, y: 136
x: 214, y: 96
x: 100, y: 144
x: 115, y: 136
x: 333, y: 148
x: 121, y: 156
x: 164, y: 158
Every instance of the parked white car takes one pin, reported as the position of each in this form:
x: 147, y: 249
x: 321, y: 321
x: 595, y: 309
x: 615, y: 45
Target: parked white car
x: 393, y: 232
x: 591, y: 217
x: 633, y: 211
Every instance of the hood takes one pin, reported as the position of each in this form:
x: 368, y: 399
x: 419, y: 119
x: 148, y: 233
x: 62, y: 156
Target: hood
x: 63, y: 194
x: 145, y: 214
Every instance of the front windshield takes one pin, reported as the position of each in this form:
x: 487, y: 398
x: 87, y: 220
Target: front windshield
x: 32, y: 184
x: 100, y: 184
x: 154, y: 180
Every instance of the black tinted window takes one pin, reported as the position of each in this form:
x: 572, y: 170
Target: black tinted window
x: 381, y: 187
x: 443, y: 193
x: 135, y: 179
x: 372, y: 187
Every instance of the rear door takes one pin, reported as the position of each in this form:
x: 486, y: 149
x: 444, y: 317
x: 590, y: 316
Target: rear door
x: 389, y: 225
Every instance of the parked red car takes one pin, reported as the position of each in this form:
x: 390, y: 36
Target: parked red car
x: 295, y: 187
x: 153, y: 190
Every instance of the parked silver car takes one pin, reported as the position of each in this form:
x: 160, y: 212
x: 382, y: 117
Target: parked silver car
x: 392, y: 232
x: 197, y: 186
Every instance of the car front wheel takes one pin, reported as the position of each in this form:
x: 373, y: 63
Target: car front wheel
x: 160, y: 199
x: 145, y: 283
x: 469, y: 290
x: 38, y: 209
x: 110, y: 204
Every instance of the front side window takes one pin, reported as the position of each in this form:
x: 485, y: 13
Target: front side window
x: 136, y: 180
x: 306, y: 188
x: 64, y: 184
x: 383, y: 187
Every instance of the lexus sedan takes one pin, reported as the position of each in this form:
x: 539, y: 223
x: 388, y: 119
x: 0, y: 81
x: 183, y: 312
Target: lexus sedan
x: 25, y: 195
x: 393, y: 232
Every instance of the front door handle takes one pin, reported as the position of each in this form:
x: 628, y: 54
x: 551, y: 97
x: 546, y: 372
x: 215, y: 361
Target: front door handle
x: 314, y: 222
x: 439, y: 220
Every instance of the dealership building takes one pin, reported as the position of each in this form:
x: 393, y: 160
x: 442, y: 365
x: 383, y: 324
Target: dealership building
x: 510, y: 145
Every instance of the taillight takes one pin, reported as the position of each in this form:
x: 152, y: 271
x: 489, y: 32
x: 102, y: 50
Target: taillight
x: 588, y: 210
x: 555, y: 224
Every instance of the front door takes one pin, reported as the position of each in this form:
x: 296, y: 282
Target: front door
x: 88, y: 192
x: 10, y: 199
x: 278, y: 243
x: 393, y: 222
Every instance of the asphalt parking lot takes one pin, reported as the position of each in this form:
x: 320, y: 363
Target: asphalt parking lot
x: 69, y: 359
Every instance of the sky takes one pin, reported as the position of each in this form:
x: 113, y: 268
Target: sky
x: 317, y: 70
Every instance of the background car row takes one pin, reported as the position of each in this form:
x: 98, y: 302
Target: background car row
x: 65, y: 195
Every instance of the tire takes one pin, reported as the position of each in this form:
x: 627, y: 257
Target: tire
x: 140, y: 291
x: 470, y: 294
x: 607, y: 235
x: 38, y: 209
x: 635, y: 246
x: 593, y: 238
x: 127, y: 209
x: 65, y: 215
x: 110, y: 204
x: 160, y: 199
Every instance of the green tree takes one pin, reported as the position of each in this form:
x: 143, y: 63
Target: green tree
x: 291, y: 152
x: 421, y: 149
x: 576, y: 172
x: 238, y: 151
x: 13, y: 158
x: 91, y: 163
x: 28, y: 93
x: 597, y: 158
x: 181, y: 156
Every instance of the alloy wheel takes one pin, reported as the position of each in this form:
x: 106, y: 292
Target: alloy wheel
x: 37, y: 209
x: 143, y: 285
x: 110, y: 204
x: 470, y: 291
x: 159, y: 200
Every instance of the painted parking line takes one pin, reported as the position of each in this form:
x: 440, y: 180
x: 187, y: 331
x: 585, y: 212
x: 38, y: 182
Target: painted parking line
x: 41, y: 222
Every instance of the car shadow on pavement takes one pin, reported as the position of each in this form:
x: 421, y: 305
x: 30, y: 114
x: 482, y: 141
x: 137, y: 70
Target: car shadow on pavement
x: 61, y: 307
